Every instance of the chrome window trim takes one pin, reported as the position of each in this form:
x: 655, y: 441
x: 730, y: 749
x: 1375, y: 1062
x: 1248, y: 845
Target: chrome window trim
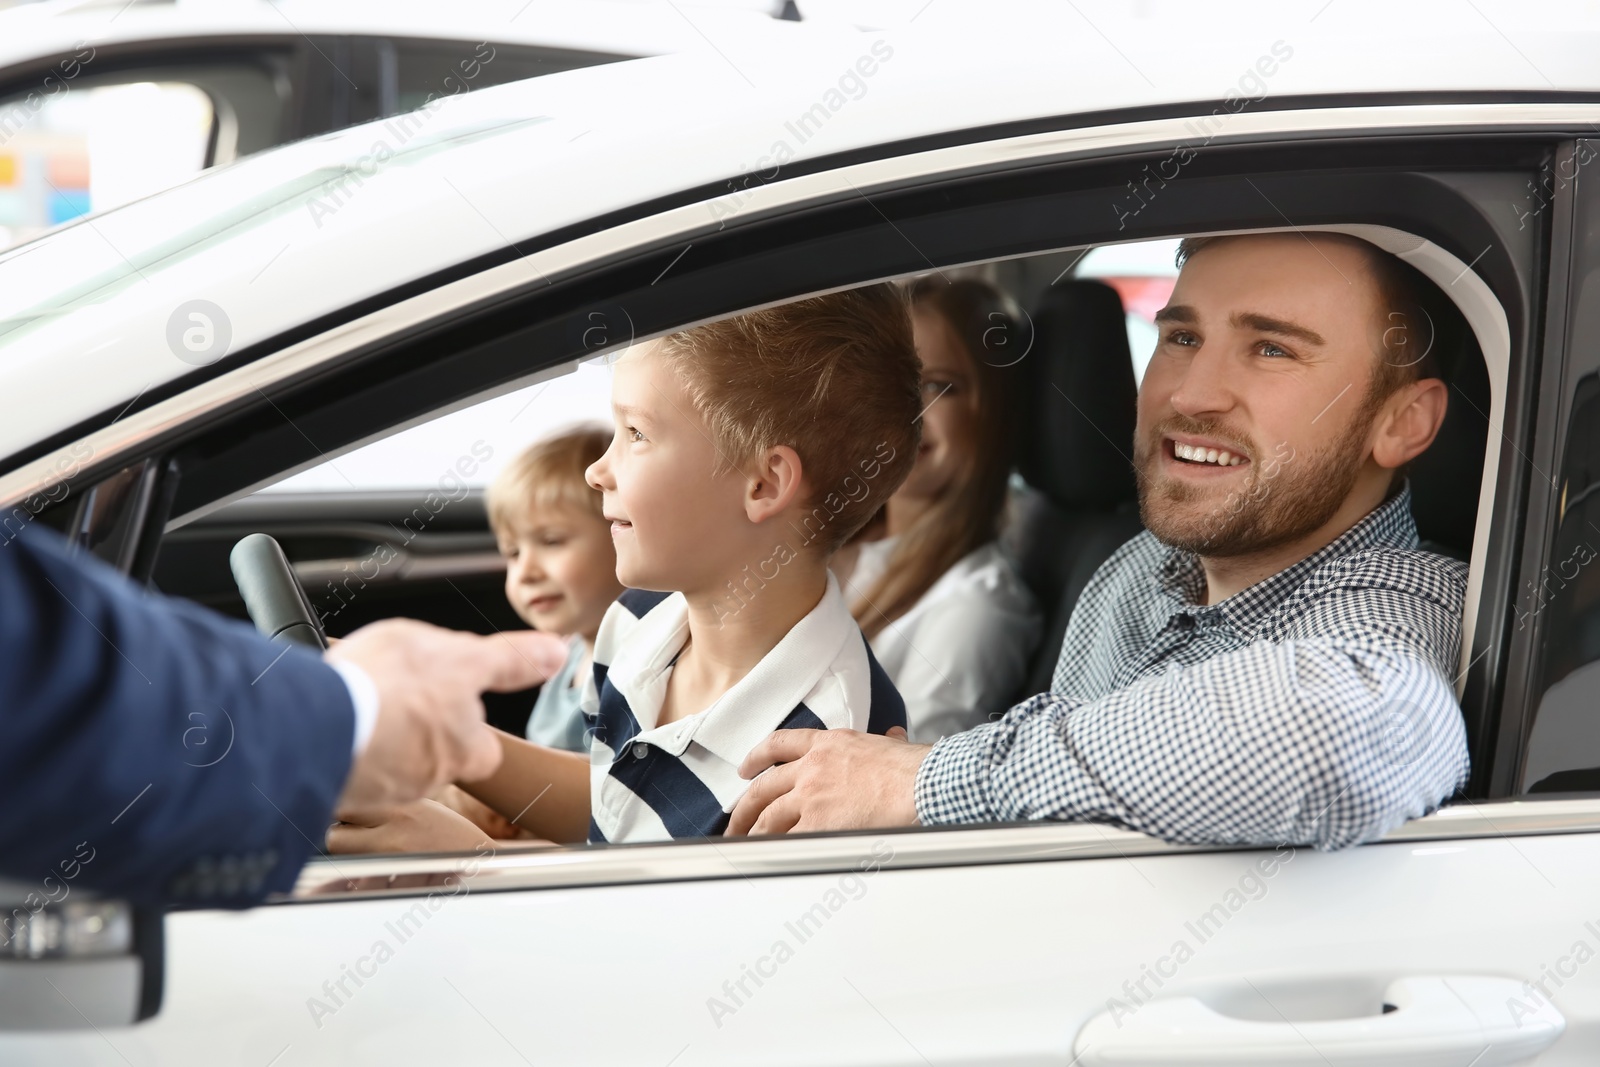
x: 112, y: 443
x: 360, y: 877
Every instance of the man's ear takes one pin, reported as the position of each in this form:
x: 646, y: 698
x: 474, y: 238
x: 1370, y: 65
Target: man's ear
x: 775, y: 483
x: 1413, y: 417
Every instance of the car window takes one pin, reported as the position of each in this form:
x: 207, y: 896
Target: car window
x: 1143, y: 274
x: 1560, y: 604
x: 500, y: 428
x: 428, y: 70
x: 91, y: 149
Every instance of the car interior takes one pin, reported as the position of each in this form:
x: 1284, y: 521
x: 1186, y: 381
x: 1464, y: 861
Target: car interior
x: 1073, y: 499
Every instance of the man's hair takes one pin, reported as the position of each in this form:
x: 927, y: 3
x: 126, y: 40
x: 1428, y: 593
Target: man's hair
x: 1421, y: 329
x: 548, y: 474
x: 834, y: 377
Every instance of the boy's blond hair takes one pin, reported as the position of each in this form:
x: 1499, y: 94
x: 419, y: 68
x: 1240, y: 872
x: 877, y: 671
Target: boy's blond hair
x: 834, y: 377
x: 548, y: 474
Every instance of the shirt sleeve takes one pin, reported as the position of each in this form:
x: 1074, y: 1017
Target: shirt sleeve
x: 1322, y: 742
x: 364, y: 698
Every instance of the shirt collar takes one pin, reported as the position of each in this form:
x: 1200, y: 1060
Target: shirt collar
x: 1182, y: 579
x: 746, y: 714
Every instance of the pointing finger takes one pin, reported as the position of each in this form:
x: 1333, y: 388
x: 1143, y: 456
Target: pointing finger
x: 519, y: 660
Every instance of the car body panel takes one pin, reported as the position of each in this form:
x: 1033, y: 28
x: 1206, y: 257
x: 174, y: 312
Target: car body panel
x: 984, y: 965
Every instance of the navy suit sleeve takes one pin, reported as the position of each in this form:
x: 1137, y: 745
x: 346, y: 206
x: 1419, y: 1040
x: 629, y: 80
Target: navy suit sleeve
x: 154, y: 750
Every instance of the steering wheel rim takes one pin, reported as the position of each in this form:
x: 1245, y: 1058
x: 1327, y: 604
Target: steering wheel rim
x: 273, y: 596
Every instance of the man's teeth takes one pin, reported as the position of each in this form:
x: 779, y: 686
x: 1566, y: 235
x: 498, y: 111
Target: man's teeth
x: 1195, y: 454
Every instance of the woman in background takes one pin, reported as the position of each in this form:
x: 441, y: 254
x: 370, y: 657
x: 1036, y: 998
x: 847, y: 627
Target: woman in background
x: 946, y: 615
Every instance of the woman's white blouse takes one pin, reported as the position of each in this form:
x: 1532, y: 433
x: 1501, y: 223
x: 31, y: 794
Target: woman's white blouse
x: 962, y: 651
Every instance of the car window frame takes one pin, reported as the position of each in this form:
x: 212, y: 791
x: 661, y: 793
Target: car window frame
x: 632, y: 246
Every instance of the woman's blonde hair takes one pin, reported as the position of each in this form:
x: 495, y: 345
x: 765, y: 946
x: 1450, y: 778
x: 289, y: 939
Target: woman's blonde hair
x: 969, y: 513
x: 548, y: 474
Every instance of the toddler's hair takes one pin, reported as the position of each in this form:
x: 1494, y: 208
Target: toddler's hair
x: 548, y: 474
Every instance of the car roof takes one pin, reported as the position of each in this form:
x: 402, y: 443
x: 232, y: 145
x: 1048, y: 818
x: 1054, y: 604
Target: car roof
x: 284, y: 237
x: 613, y: 27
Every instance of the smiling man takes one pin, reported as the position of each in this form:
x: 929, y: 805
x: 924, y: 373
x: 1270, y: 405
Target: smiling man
x: 1271, y: 661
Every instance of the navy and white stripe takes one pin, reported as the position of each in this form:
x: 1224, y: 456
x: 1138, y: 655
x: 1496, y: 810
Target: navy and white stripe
x: 1315, y: 707
x: 649, y: 782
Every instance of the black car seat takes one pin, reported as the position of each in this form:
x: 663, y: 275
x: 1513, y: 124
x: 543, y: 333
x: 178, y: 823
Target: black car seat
x: 1076, y: 413
x: 1445, y: 479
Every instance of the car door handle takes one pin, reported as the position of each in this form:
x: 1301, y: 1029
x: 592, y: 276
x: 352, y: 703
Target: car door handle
x: 1433, y: 1019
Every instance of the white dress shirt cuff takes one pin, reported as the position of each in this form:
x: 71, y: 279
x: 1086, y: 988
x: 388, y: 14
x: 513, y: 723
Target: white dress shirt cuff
x: 364, y: 696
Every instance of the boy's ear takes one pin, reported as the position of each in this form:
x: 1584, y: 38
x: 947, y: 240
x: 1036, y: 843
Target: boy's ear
x: 775, y: 483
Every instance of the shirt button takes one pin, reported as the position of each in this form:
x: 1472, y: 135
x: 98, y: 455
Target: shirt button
x: 640, y: 750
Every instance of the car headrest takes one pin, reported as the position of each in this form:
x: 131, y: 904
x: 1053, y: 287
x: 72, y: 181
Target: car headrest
x: 1078, y: 406
x: 1445, y: 478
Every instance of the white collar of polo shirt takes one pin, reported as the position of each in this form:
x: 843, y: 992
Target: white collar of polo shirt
x: 746, y: 714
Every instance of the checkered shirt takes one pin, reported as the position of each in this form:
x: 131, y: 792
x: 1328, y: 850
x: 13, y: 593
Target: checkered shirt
x: 1315, y: 707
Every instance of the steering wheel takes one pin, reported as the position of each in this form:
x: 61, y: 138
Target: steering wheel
x: 273, y: 596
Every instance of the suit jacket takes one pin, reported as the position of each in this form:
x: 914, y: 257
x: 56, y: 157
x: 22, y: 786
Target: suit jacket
x: 153, y: 750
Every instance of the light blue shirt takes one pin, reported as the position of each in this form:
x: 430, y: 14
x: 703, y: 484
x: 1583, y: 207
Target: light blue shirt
x: 557, y: 718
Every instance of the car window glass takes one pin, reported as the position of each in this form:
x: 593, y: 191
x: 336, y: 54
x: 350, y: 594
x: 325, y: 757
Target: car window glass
x: 499, y: 428
x: 1143, y: 274
x: 425, y: 71
x: 1564, y: 748
x: 92, y: 149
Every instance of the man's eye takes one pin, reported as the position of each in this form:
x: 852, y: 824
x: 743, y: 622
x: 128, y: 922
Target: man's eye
x: 933, y: 387
x: 1182, y: 337
x: 1272, y: 351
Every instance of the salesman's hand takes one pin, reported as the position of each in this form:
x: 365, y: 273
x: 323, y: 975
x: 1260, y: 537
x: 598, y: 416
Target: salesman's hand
x: 430, y: 727
x: 828, y: 780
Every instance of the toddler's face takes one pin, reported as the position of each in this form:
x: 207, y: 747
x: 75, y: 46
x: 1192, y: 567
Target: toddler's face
x: 561, y: 571
x: 676, y: 525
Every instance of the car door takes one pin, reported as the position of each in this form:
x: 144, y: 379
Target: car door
x: 1463, y: 937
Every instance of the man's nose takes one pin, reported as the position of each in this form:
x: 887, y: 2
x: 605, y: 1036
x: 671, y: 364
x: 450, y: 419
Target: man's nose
x: 1203, y: 388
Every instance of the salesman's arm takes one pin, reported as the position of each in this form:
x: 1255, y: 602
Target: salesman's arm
x: 195, y: 761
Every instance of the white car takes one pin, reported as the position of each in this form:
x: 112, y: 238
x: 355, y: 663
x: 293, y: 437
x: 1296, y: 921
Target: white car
x: 163, y: 363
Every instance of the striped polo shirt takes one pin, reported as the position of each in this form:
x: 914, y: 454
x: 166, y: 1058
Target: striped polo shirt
x: 651, y: 783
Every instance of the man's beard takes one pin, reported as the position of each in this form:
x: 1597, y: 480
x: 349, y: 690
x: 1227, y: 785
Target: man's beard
x: 1283, y: 497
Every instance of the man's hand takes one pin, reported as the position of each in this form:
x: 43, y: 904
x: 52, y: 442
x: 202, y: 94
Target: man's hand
x: 421, y: 826
x: 430, y: 681
x: 828, y: 780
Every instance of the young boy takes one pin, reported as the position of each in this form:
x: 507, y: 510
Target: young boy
x: 746, y: 452
x: 561, y: 568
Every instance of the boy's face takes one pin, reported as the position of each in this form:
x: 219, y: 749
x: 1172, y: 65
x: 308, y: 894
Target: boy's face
x: 560, y: 568
x: 676, y: 525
